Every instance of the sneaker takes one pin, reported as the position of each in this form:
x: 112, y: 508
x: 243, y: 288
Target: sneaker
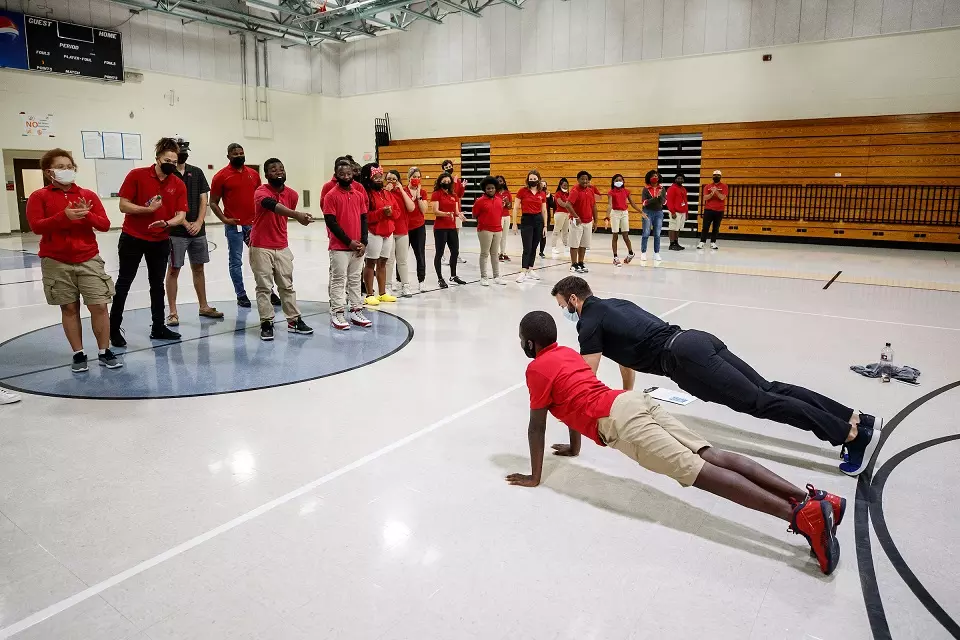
x: 79, y: 363
x: 533, y: 275
x: 275, y: 299
x: 699, y: 245
x: 244, y: 301
x: 372, y: 301
x: 657, y: 258
x: 643, y: 258
x: 813, y: 519
x: 680, y: 247
x: 357, y: 318
x: 458, y: 280
x: 9, y: 397
x: 266, y: 330
x: 506, y: 258
x: 839, y: 504
x: 442, y: 283
x: 856, y: 454
x: 406, y: 291
x: 574, y: 268
x: 162, y: 333
x: 337, y: 321
x: 500, y: 281
x: 870, y: 421
x: 461, y: 260
x: 299, y: 326
x: 484, y: 282
x: 500, y: 258
x: 713, y: 245
x: 522, y: 277
x: 629, y: 258
x: 117, y: 339
x: 420, y: 288
x: 617, y: 262
x: 543, y: 255
x: 674, y: 247
x: 583, y: 268
x: 554, y: 252
x: 388, y: 298
x: 109, y: 360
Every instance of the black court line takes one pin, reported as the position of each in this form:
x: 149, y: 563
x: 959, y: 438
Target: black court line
x: 835, y: 276
x: 865, y: 497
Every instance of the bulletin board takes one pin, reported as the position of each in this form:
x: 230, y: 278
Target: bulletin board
x: 110, y: 175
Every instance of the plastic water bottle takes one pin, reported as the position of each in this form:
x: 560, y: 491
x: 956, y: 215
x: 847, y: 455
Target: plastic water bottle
x: 886, y: 363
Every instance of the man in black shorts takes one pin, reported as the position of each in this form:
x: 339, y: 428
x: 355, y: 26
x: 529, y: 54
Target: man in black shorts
x: 702, y: 365
x: 190, y: 239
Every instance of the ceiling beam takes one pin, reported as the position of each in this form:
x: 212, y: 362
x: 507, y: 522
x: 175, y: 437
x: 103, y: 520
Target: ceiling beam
x: 422, y: 16
x: 384, y: 23
x: 456, y: 6
x: 512, y: 3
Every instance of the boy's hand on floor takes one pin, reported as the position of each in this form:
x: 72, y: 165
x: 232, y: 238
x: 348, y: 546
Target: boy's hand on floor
x: 564, y: 450
x: 522, y: 480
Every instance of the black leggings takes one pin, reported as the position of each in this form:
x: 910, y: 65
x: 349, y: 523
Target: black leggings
x: 418, y: 241
x: 702, y: 365
x: 711, y: 218
x: 531, y: 233
x: 443, y: 238
x: 131, y: 251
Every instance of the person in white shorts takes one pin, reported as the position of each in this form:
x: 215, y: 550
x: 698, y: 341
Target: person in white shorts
x: 381, y: 213
x: 618, y: 197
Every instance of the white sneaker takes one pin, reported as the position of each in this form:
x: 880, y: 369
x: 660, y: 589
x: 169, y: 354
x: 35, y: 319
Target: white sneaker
x: 533, y: 275
x: 420, y: 288
x: 9, y: 397
x: 484, y: 282
x: 713, y: 245
x: 617, y: 262
x: 643, y: 258
x: 406, y: 291
x: 657, y: 258
x: 554, y: 252
x: 574, y: 269
x: 500, y: 281
x: 522, y: 277
x: 699, y: 245
x: 357, y: 318
x: 337, y: 321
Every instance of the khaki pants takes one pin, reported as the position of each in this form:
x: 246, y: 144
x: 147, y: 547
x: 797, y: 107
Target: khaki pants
x: 644, y: 431
x: 488, y: 243
x: 398, y: 260
x: 505, y: 224
x: 274, y: 266
x: 561, y: 228
x: 345, y: 270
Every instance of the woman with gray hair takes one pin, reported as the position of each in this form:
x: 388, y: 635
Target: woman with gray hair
x: 416, y: 225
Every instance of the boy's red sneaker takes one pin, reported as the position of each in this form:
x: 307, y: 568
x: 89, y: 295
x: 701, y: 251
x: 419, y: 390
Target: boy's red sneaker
x: 839, y: 504
x: 813, y: 519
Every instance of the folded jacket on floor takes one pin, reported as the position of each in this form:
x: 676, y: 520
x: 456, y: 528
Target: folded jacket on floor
x: 872, y: 370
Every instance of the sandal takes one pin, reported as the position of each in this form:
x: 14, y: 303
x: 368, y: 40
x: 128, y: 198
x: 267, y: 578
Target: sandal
x: 211, y: 313
x: 173, y: 320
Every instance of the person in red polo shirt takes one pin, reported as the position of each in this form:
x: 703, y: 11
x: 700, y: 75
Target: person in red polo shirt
x: 446, y: 210
x: 677, y: 208
x: 506, y: 217
x: 416, y: 223
x: 403, y: 204
x: 380, y: 219
x: 152, y: 200
x: 459, y: 189
x: 582, y: 207
x: 270, y: 255
x: 714, y: 203
x: 560, y: 382
x: 235, y: 184
x: 530, y: 208
x: 488, y: 210
x: 345, y: 215
x: 65, y: 217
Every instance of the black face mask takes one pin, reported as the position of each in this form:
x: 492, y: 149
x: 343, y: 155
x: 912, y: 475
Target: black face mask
x: 529, y: 350
x: 277, y: 183
x: 182, y: 158
x: 345, y: 183
x: 168, y: 168
x: 450, y: 170
x: 238, y: 161
x: 716, y: 178
x: 533, y: 183
x: 446, y: 186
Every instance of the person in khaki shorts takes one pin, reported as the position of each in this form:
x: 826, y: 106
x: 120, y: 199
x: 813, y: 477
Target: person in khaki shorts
x: 582, y: 207
x: 617, y: 198
x: 65, y: 217
x: 270, y: 257
x: 561, y: 382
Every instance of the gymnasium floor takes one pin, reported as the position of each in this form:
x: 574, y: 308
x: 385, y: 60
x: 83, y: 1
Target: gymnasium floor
x: 371, y: 504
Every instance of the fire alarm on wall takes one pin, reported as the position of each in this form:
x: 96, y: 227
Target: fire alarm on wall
x: 767, y: 57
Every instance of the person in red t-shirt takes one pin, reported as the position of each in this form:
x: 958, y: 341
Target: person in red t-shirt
x: 270, y: 257
x: 506, y: 217
x: 235, y: 184
x: 619, y: 218
x: 488, y: 210
x: 382, y: 213
x: 152, y: 200
x: 345, y: 215
x: 677, y: 208
x: 530, y: 208
x: 714, y: 203
x: 459, y: 189
x: 560, y: 382
x: 582, y: 207
x: 65, y: 217
x: 561, y: 218
x: 398, y: 262
x: 416, y: 223
x: 446, y: 210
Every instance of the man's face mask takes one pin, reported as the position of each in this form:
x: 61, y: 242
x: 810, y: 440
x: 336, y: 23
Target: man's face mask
x: 238, y: 161
x: 716, y: 178
x: 528, y: 349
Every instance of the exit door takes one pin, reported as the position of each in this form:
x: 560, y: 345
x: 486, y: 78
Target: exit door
x: 28, y: 178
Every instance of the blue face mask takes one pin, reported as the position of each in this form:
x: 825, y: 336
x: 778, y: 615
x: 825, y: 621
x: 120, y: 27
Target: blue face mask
x: 570, y: 315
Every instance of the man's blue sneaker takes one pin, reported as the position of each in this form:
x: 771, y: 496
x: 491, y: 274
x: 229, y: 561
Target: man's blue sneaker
x: 857, y: 453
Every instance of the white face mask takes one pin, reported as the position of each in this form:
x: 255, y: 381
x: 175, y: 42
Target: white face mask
x: 618, y: 184
x: 64, y: 176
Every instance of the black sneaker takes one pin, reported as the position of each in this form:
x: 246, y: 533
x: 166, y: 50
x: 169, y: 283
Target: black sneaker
x: 243, y: 301
x: 871, y: 422
x: 457, y: 280
x: 163, y: 333
x: 79, y: 364
x: 274, y: 299
x: 680, y: 247
x: 543, y: 255
x: 109, y: 360
x: 857, y: 453
x: 298, y: 326
x: 266, y: 330
x: 442, y: 283
x: 117, y: 339
x: 675, y: 247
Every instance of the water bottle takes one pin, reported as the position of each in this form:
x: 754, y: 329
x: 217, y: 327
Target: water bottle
x: 886, y: 363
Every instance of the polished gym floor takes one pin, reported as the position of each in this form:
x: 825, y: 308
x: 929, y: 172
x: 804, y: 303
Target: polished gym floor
x: 351, y: 485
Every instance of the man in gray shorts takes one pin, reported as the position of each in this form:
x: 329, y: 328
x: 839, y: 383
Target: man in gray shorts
x: 190, y: 239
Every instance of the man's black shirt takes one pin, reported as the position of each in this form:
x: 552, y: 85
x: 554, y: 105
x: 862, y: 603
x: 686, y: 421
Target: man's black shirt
x: 623, y: 332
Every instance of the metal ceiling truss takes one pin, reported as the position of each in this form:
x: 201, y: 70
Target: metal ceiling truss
x: 311, y: 22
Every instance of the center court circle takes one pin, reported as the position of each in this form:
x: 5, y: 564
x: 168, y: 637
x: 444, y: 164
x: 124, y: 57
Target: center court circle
x: 213, y: 356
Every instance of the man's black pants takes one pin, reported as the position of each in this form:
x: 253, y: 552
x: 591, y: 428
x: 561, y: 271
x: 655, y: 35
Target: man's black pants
x: 130, y: 252
x: 702, y: 365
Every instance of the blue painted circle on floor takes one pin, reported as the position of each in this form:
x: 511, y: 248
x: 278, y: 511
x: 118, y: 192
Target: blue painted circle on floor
x: 213, y: 356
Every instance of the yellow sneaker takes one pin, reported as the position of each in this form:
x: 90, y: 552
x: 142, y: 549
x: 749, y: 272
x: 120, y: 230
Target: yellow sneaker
x: 372, y: 301
x: 388, y: 298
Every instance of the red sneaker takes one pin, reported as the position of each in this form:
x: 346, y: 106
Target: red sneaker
x: 813, y: 519
x: 839, y: 504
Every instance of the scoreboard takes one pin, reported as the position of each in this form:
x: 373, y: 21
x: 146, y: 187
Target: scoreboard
x: 72, y: 49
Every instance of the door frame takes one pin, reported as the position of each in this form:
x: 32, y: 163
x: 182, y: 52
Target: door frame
x: 19, y: 164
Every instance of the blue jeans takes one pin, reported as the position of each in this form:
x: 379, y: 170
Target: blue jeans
x: 235, y: 251
x: 654, y: 219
